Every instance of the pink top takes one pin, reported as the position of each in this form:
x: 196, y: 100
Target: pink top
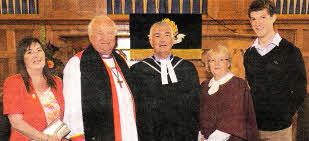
x: 50, y: 105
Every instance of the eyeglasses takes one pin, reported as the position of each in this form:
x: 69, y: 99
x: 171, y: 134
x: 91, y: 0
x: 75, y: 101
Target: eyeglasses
x: 219, y: 60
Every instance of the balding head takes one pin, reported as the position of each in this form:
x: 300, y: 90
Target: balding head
x: 102, y: 34
x: 100, y: 20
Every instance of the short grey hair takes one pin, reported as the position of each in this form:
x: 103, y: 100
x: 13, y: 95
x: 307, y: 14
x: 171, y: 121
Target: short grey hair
x: 100, y: 18
x: 157, y: 24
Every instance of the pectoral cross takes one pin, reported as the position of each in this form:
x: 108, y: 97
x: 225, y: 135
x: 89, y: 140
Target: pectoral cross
x: 119, y: 82
x: 117, y: 76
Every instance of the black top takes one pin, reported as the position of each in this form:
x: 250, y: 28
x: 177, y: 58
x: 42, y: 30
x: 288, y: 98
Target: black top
x: 278, y: 84
x: 96, y: 95
x: 167, y: 112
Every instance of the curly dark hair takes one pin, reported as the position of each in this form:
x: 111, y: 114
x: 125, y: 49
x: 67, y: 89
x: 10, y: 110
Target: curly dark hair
x: 21, y: 67
x: 258, y: 5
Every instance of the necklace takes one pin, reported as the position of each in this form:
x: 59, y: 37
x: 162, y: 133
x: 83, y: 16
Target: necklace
x: 117, y: 75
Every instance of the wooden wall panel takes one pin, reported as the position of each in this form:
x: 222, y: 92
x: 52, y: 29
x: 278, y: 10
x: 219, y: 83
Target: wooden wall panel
x: 22, y: 33
x: 63, y: 5
x: 4, y: 71
x: 69, y: 38
x: 228, y: 9
x: 79, y: 44
x: 289, y: 34
x: 88, y: 5
x: 306, y: 41
x: 3, y: 41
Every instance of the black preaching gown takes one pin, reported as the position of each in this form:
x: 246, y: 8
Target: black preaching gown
x: 167, y: 112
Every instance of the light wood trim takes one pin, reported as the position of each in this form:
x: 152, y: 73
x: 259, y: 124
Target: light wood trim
x: 295, y: 1
x: 169, y: 6
x: 288, y: 6
x: 35, y: 7
x: 145, y: 6
x: 281, y: 6
x: 28, y: 6
x: 21, y: 6
x: 201, y: 6
x: 191, y: 6
x: 14, y: 5
x: 0, y: 6
x: 157, y: 5
x: 123, y: 6
x: 139, y: 54
x: 180, y: 6
x: 133, y: 6
x: 113, y: 5
x: 7, y: 6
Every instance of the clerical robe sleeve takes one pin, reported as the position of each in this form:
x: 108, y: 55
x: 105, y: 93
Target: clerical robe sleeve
x: 72, y: 96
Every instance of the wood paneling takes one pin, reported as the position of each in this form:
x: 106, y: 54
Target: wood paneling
x: 228, y: 9
x: 289, y: 34
x: 3, y: 40
x: 4, y: 71
x: 69, y: 38
x: 22, y: 33
x: 305, y: 40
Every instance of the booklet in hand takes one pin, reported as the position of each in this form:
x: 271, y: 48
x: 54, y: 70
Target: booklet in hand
x: 58, y: 128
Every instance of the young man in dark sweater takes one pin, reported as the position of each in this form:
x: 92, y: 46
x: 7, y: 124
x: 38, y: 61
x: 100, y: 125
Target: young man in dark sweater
x: 276, y: 74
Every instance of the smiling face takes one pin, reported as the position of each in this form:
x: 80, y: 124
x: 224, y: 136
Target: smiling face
x: 161, y: 40
x: 34, y: 57
x: 103, y: 36
x: 219, y: 64
x: 262, y: 23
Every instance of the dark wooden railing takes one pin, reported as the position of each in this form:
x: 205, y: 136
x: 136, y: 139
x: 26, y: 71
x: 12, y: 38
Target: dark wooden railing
x: 156, y: 6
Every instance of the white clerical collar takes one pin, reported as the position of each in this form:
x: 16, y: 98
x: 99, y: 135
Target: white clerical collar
x: 159, y: 60
x: 108, y: 59
x: 107, y: 56
x: 166, y: 68
x: 214, y: 84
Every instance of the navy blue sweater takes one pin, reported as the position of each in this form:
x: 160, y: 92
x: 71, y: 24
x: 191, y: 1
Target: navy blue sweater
x: 278, y: 84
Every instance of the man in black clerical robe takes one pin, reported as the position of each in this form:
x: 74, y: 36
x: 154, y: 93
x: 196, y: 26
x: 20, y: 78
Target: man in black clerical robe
x: 166, y: 91
x: 99, y: 105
